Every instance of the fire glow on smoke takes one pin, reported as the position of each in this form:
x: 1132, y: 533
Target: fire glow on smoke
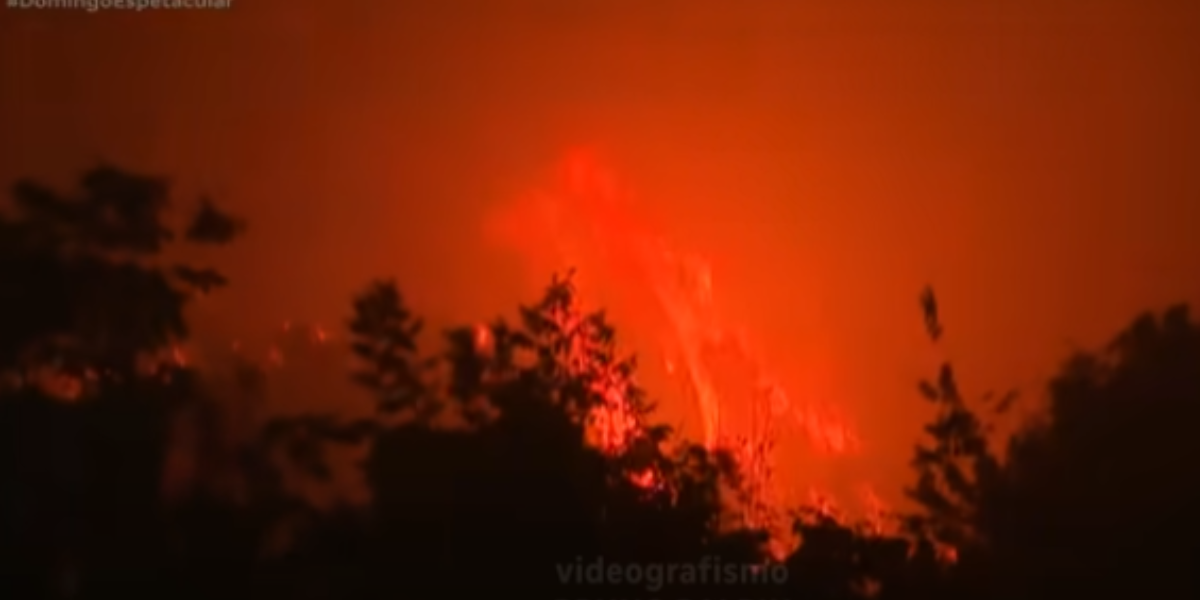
x: 586, y: 220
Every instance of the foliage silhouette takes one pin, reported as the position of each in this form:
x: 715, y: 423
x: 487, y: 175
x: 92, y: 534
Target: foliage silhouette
x: 509, y: 486
x: 1096, y: 495
x: 515, y: 448
x: 91, y: 385
x: 1102, y: 492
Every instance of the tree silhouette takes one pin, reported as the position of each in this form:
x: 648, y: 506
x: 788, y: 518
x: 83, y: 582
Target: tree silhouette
x: 1101, y: 491
x: 955, y: 474
x: 93, y: 382
x: 514, y: 485
x: 519, y: 449
x: 1093, y: 497
x: 385, y: 335
x: 514, y: 452
x: 510, y: 485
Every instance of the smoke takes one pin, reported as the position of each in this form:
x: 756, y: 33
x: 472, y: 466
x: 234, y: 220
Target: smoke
x: 667, y: 304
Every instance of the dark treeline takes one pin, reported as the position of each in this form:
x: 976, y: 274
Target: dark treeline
x: 481, y: 476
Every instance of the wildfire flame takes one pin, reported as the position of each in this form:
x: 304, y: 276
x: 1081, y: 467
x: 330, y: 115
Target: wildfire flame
x: 741, y: 405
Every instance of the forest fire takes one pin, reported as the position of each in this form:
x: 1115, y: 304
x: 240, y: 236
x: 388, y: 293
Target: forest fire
x: 588, y: 221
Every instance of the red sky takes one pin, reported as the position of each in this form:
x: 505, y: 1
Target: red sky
x: 1037, y: 160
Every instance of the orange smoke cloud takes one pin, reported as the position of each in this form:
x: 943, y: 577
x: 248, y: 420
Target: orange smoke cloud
x: 586, y: 219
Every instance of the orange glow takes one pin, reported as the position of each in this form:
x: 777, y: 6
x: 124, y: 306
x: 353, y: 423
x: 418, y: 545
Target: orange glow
x: 483, y: 339
x: 877, y: 517
x: 1035, y: 160
x: 319, y: 335
x: 613, y: 424
x: 590, y: 221
x: 275, y: 357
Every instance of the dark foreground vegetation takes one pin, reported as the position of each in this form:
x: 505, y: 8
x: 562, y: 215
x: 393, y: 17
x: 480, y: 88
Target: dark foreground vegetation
x: 480, y: 474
